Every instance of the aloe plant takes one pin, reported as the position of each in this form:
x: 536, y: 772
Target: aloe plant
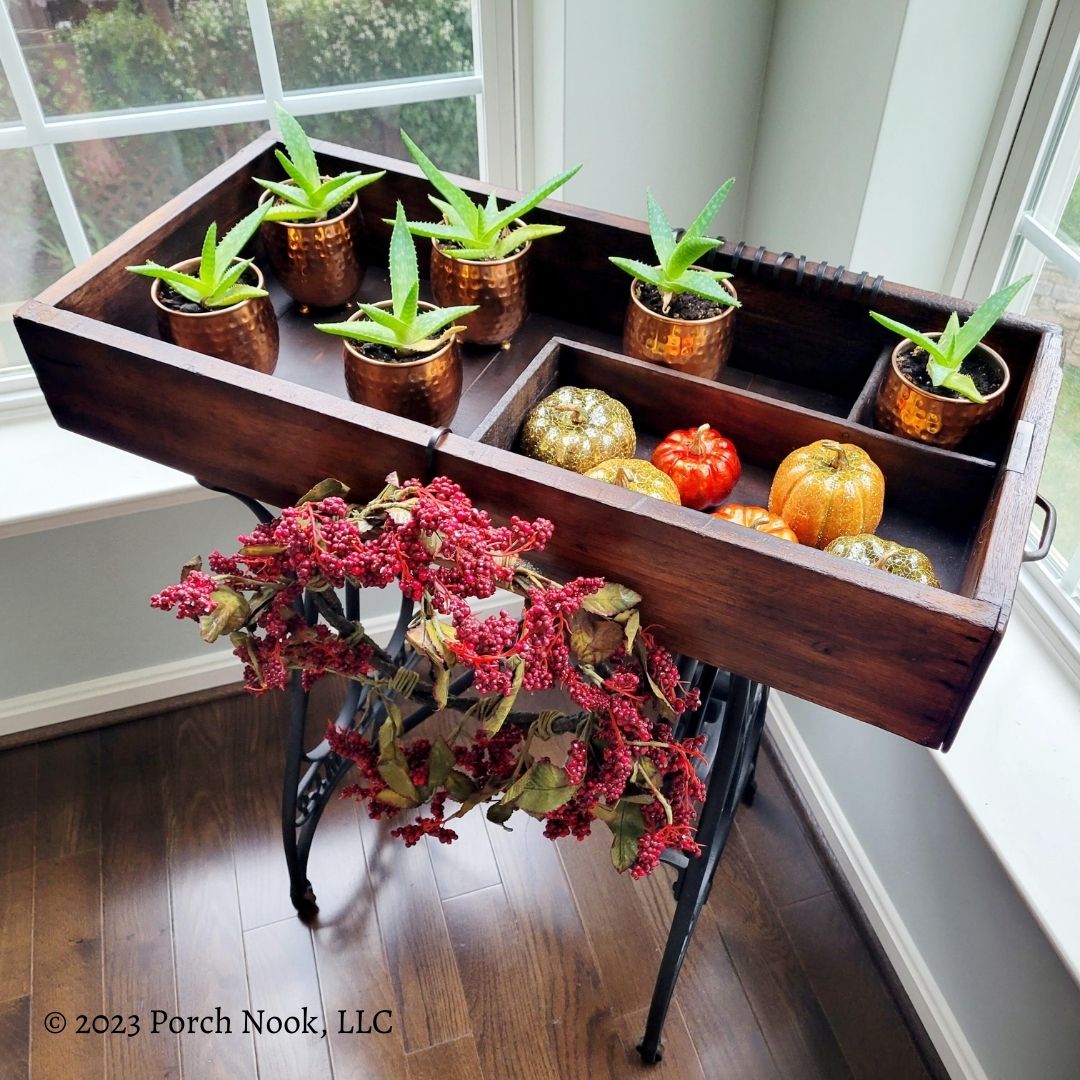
x: 218, y: 282
x: 308, y: 197
x: 404, y: 327
x: 672, y: 274
x: 477, y: 232
x: 947, y: 353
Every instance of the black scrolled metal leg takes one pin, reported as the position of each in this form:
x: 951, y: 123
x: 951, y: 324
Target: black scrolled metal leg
x: 734, y: 715
x: 300, y: 891
x: 306, y: 793
x: 312, y: 776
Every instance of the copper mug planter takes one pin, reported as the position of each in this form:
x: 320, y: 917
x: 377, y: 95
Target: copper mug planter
x: 692, y: 346
x: 499, y: 287
x: 316, y: 261
x: 902, y: 408
x: 426, y: 389
x: 244, y: 334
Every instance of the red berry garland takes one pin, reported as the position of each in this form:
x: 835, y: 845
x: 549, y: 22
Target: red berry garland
x: 584, y: 637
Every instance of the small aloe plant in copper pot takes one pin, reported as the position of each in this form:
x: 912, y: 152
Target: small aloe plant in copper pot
x: 216, y: 304
x: 680, y: 315
x: 401, y: 354
x: 312, y: 230
x: 479, y: 253
x: 939, y: 386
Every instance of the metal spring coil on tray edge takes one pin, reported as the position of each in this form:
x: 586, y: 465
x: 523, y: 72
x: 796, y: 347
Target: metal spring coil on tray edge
x: 737, y: 253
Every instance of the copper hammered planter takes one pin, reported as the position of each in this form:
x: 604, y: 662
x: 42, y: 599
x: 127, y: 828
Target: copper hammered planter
x: 692, y: 346
x: 244, y: 334
x: 499, y: 287
x: 316, y: 261
x: 904, y: 409
x: 427, y: 389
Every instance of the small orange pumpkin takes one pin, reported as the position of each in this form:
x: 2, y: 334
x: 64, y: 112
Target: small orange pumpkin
x: 828, y: 489
x: 756, y: 517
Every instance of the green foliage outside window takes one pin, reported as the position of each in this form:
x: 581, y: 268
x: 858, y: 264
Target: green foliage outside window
x: 121, y: 57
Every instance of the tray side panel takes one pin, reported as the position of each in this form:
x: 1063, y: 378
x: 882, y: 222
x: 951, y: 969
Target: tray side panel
x: 898, y: 656
x: 225, y: 425
x: 1008, y: 515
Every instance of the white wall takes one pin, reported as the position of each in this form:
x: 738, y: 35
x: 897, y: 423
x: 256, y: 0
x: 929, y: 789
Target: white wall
x: 829, y: 68
x: 998, y: 994
x: 80, y: 637
x: 652, y: 95
x: 948, y: 74
x: 77, y: 598
x: 872, y: 123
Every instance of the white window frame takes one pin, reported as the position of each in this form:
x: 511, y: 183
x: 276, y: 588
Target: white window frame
x: 491, y: 84
x: 1044, y: 73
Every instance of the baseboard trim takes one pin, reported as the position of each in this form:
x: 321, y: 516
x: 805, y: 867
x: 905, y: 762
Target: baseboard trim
x: 911, y: 969
x: 49, y: 713
x: 124, y: 690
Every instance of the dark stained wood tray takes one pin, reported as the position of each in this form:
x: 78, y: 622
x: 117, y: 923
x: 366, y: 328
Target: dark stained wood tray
x: 804, y: 366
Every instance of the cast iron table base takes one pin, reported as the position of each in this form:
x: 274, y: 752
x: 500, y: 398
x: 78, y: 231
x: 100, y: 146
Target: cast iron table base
x: 731, y: 716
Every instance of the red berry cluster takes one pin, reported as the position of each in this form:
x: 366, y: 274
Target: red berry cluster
x: 442, y: 552
x: 191, y: 597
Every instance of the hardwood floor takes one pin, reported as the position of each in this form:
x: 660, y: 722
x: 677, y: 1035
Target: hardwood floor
x: 141, y: 870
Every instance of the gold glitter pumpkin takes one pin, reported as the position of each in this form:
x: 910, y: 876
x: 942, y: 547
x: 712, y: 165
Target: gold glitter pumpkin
x: 884, y: 555
x: 578, y: 429
x: 637, y: 475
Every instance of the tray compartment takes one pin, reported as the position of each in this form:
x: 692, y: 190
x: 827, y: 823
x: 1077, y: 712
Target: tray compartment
x: 993, y: 440
x: 941, y: 519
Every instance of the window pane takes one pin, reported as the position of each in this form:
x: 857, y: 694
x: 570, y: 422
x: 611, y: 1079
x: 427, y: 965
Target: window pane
x: 88, y: 58
x: 444, y: 130
x: 1069, y: 226
x: 117, y: 182
x: 1057, y: 299
x: 12, y: 354
x: 344, y: 42
x: 35, y: 254
x: 7, y: 102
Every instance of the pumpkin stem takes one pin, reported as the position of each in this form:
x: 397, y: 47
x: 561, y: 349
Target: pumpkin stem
x: 697, y: 443
x: 887, y: 550
x: 622, y: 477
x: 840, y: 461
x: 576, y: 418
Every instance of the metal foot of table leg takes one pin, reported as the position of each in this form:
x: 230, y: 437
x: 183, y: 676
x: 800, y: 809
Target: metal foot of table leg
x: 650, y: 1055
x: 304, y: 902
x: 738, y: 717
x: 750, y: 791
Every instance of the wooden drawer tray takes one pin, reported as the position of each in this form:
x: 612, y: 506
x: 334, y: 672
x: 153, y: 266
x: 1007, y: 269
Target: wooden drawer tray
x: 902, y: 656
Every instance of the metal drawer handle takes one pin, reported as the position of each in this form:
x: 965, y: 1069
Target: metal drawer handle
x: 1048, y: 530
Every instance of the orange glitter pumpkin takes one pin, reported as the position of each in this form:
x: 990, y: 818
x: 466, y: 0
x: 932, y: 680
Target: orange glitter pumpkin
x: 756, y: 517
x: 828, y: 489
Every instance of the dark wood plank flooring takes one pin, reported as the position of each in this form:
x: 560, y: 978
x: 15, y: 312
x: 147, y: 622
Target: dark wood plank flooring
x: 140, y: 870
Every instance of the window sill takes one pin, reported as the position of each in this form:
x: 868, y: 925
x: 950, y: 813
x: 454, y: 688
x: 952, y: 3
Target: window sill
x: 53, y: 478
x: 1014, y: 768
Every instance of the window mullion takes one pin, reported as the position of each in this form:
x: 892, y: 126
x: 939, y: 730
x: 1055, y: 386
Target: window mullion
x: 63, y: 202
x: 262, y: 35
x: 48, y: 160
x: 493, y: 60
x: 1058, y: 253
x: 18, y: 76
